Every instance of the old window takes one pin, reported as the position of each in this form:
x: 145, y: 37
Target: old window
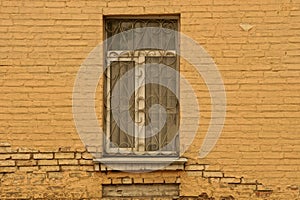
x: 132, y: 49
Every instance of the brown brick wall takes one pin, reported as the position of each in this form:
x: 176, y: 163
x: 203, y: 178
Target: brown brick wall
x: 43, y: 43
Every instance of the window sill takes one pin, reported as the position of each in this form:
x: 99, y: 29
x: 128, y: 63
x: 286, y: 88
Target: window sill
x: 139, y: 164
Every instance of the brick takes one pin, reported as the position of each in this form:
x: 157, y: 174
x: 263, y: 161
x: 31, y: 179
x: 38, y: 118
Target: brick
x: 80, y: 149
x: 55, y: 4
x: 45, y: 149
x: 26, y: 162
x: 70, y: 168
x: 87, y: 156
x: 68, y: 162
x: 117, y: 4
x: 195, y: 167
x: 87, y: 168
x: 5, y: 156
x: 47, y: 162
x: 43, y: 156
x: 106, y: 181
x: 230, y: 180
x: 49, y: 168
x: 64, y: 155
x: 7, y: 169
x: 55, y: 175
x: 135, y: 191
x: 79, y: 174
x: 97, y: 167
x: 4, y: 163
x: 212, y: 174
x: 126, y: 180
x: 195, y: 173
x: 4, y: 144
x: 20, y: 156
x: 170, y: 179
x: 78, y: 155
x: 117, y: 181
x: 85, y: 162
x: 29, y: 169
x: 6, y: 149
x: 65, y: 149
x: 27, y: 150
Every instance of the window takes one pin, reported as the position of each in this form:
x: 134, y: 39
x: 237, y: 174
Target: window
x: 132, y: 49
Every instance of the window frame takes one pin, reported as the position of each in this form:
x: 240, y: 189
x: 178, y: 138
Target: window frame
x: 136, y: 58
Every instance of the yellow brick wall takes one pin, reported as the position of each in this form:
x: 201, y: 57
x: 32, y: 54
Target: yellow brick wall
x: 43, y: 43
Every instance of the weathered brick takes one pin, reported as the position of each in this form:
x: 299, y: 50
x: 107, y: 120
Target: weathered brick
x: 126, y: 180
x: 5, y: 144
x: 26, y: 162
x: 4, y: 163
x: 97, y: 167
x: 68, y: 162
x: 47, y: 162
x: 106, y: 181
x: 64, y: 155
x: 230, y: 180
x: 214, y: 174
x: 85, y: 162
x: 65, y: 149
x: 43, y: 156
x: 70, y: 168
x: 87, y: 155
x: 170, y: 179
x: 49, y: 168
x: 88, y: 168
x: 6, y: 149
x: 195, y: 167
x: 79, y: 174
x: 55, y: 175
x: 195, y: 173
x: 29, y: 168
x: 78, y: 155
x: 7, y: 169
x: 117, y: 181
x: 27, y: 150
x: 5, y: 156
x: 20, y: 156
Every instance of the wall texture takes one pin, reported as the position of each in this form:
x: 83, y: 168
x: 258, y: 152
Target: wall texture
x: 255, y: 45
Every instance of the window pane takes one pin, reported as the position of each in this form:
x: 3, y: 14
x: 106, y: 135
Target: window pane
x: 136, y: 38
x: 158, y: 94
x: 118, y: 138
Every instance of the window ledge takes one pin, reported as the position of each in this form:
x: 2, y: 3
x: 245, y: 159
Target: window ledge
x: 139, y: 164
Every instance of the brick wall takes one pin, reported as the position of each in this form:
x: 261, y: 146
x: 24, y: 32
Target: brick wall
x: 43, y: 43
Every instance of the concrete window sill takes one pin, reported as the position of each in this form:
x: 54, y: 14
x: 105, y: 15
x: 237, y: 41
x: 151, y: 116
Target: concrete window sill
x: 139, y: 164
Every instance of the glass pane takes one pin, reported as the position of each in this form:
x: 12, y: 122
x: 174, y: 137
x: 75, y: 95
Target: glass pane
x: 158, y: 94
x: 118, y: 138
x: 132, y: 37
